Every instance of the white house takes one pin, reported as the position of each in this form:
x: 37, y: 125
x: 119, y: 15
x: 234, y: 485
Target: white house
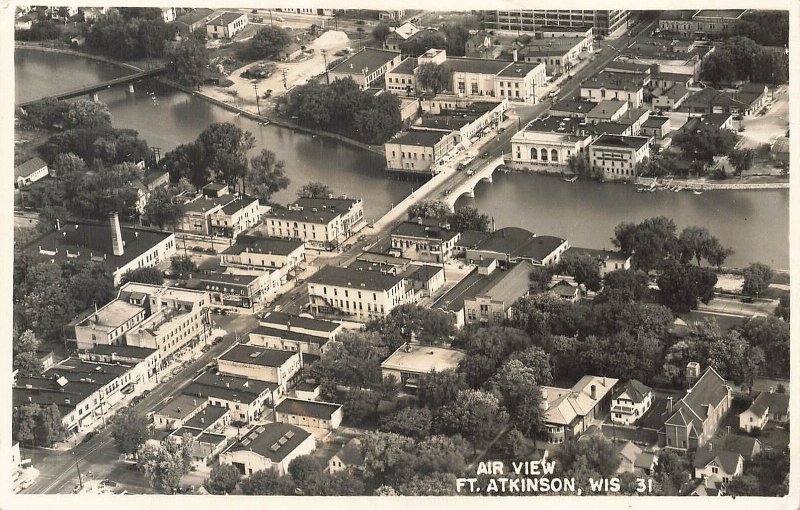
x: 631, y: 402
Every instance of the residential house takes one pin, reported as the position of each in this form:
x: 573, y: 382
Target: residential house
x: 226, y: 25
x: 29, y: 172
x: 567, y: 289
x: 656, y: 127
x: 618, y: 156
x: 411, y: 360
x: 262, y: 364
x: 764, y: 407
x: 695, y: 417
x: 631, y: 402
x: 309, y: 413
x: 269, y: 446
x: 366, y: 66
x: 569, y: 412
x: 398, y: 35
x: 632, y: 459
x: 196, y: 19
x: 422, y: 242
x: 716, y: 464
x: 349, y: 458
x: 365, y: 295
x: 672, y: 98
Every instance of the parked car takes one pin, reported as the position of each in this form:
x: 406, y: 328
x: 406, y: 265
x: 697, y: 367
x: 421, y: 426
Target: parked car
x: 217, y: 340
x: 485, y: 155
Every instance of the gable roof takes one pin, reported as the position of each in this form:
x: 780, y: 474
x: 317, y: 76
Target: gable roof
x: 350, y: 454
x: 635, y: 390
x: 28, y: 167
x: 710, y: 389
x: 728, y: 460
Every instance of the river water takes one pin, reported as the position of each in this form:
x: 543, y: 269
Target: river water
x: 755, y: 224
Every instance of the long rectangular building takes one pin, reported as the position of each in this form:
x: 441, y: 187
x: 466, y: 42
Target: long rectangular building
x: 604, y: 22
x: 321, y: 223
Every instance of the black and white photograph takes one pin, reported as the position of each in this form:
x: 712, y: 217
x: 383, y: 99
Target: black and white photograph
x: 394, y: 253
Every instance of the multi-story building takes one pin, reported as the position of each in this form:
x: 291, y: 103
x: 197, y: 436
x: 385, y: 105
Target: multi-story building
x: 270, y: 365
x: 410, y: 361
x: 245, y: 398
x: 278, y: 330
x: 630, y: 402
x: 194, y: 20
x: 417, y: 151
x: 226, y: 25
x: 264, y: 252
x: 468, y: 119
x: 399, y: 35
x: 698, y: 23
x: 321, y: 223
x: 548, y: 142
x: 108, y: 324
x: 618, y: 156
x: 271, y: 446
x: 569, y: 412
x: 364, y: 295
x: 614, y: 85
x: 512, y: 244
x: 241, y: 291
x: 366, y: 66
x: 172, y: 414
x: 421, y: 242
x: 559, y: 53
x: 603, y: 22
x: 238, y: 215
x: 145, y: 361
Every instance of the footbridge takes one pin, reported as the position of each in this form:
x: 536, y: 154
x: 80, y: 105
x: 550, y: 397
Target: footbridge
x: 465, y: 186
x: 93, y: 90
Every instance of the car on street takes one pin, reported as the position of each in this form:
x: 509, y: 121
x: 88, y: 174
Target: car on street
x: 217, y: 340
x: 485, y: 155
x: 748, y: 300
x: 470, y: 173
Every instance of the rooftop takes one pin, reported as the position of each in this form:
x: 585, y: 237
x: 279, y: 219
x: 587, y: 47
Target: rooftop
x: 502, y: 285
x: 635, y: 390
x: 228, y: 387
x: 448, y: 122
x: 319, y: 216
x: 418, y: 230
x: 28, y: 167
x: 709, y: 389
x: 252, y: 355
x: 289, y: 335
x: 407, y: 66
x: 606, y: 109
x: 274, y: 441
x: 238, y: 203
x: 655, y: 121
x: 422, y: 359
x: 311, y: 408
x: 420, y: 137
x: 353, y: 278
x: 720, y: 13
x: 519, y: 69
x: 125, y: 351
x: 180, y: 407
x: 264, y: 245
x: 112, y: 315
x: 369, y: 59
x: 476, y: 65
x: 205, y: 418
x: 286, y: 319
x: 627, y: 142
x: 614, y: 81
x: 563, y: 405
x: 727, y: 459
x: 573, y: 106
x: 196, y: 15
x: 226, y: 18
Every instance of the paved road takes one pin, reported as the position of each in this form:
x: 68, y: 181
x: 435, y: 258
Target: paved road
x: 58, y: 473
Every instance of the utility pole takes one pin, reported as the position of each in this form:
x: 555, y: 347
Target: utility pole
x: 78, y: 468
x: 284, y: 79
x: 270, y: 16
x: 258, y: 105
x: 325, y: 59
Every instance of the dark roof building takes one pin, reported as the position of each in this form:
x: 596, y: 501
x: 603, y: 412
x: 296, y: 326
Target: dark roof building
x: 248, y: 354
x: 352, y: 278
x: 267, y: 245
x: 274, y: 441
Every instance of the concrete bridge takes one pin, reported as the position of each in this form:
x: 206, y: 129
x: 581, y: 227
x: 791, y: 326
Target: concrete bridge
x: 466, y: 187
x: 93, y: 90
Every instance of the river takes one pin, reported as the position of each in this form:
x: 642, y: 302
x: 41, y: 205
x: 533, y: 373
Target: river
x: 755, y: 224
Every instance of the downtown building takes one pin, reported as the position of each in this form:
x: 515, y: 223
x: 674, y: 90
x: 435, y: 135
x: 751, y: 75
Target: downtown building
x: 321, y: 223
x: 604, y: 22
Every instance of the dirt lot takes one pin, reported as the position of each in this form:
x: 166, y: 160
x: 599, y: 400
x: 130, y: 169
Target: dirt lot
x: 761, y: 129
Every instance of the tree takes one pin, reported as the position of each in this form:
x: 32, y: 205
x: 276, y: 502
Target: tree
x: 682, y: 286
x: 512, y: 445
x: 50, y: 428
x: 413, y: 422
x: 24, y: 423
x: 46, y: 303
x: 440, y: 387
x: 304, y: 469
x: 474, y: 414
x: 361, y: 406
x: 166, y: 463
x: 67, y: 164
x: 340, y: 483
x: 187, y: 61
x: 314, y: 189
x: 437, y: 484
x: 539, y: 278
x: 26, y: 362
x: 516, y: 383
x: 381, y: 32
x: 625, y: 285
x: 379, y: 121
x: 185, y: 162
x: 423, y: 42
x: 269, y: 42
x: 224, y: 147
x: 580, y: 165
x: 85, y: 113
x: 469, y: 218
x: 698, y: 243
x: 222, y: 480
x: 434, y: 78
x: 583, y: 267
x: 183, y: 265
x: 735, y: 59
x: 772, y: 336
x: 129, y: 430
x: 766, y: 475
x: 161, y: 208
x: 671, y: 472
x: 757, y: 277
x: 782, y: 310
x: 735, y: 359
x: 648, y: 242
x: 354, y: 360
x: 538, y: 361
x: 151, y: 275
x: 434, y: 209
x: 267, y: 482
x: 741, y: 159
x: 591, y: 457
x: 704, y: 141
x: 409, y: 322
x: 456, y: 35
x: 266, y: 176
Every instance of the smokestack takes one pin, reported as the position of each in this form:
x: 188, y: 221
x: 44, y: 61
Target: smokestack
x: 116, y: 235
x: 516, y: 55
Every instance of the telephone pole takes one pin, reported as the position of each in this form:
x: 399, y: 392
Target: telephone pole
x: 258, y: 105
x: 284, y: 79
x: 325, y: 59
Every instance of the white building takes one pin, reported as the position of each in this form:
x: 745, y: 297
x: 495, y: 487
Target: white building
x: 617, y: 156
x: 630, y: 402
x: 321, y: 223
x: 270, y: 446
x: 226, y: 25
x: 270, y: 365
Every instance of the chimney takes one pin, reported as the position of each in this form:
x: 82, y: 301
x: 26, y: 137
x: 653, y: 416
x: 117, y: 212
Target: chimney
x: 116, y: 235
x: 594, y: 392
x: 516, y: 55
x: 58, y: 224
x: 669, y: 404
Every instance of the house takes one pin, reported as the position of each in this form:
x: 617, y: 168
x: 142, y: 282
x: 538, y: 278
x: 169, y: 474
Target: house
x: 608, y: 260
x: 746, y: 100
x: 706, y: 487
x: 780, y: 149
x: 618, y: 156
x: 278, y: 330
x: 262, y: 364
x: 146, y: 185
x: 244, y: 398
x: 172, y: 414
x: 695, y: 417
x: 29, y: 172
x: 226, y: 25
x: 765, y: 407
x: 569, y: 412
x: 398, y: 35
x: 607, y: 110
x: 239, y: 214
x: 196, y: 19
x: 421, y: 242
x: 269, y: 446
x: 205, y: 445
x: 631, y: 402
x: 24, y: 22
x: 550, y: 142
x: 321, y: 223
x: 349, y: 458
x: 656, y: 127
x: 746, y: 446
x: 488, y: 293
x: 309, y: 413
x: 254, y: 252
x: 567, y: 289
x: 364, y: 295
x: 716, y: 464
x: 513, y: 244
x: 412, y: 360
x: 614, y: 85
x: 418, y: 151
x: 366, y: 66
x: 632, y: 459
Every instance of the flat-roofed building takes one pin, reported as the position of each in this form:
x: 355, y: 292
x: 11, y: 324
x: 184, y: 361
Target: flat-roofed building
x: 233, y: 218
x: 321, y: 223
x: 468, y: 121
x: 603, y: 22
x: 558, y: 54
x: 245, y: 398
x: 614, y: 85
x: 364, y: 295
x: 108, y: 325
x: 577, y: 108
x: 694, y: 23
x: 278, y: 330
x: 264, y: 252
x: 366, y: 66
x: 509, y: 245
x: 268, y: 447
x: 144, y: 360
x: 270, y: 365
x: 548, y: 142
x: 29, y: 171
x: 425, y: 243
x: 426, y: 279
x: 492, y: 300
x: 656, y: 126
x: 175, y: 412
x: 241, y: 290
x: 607, y: 110
x: 410, y: 361
x: 418, y: 151
x: 618, y: 156
x: 309, y: 413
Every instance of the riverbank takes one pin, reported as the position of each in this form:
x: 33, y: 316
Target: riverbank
x: 755, y: 182
x: 67, y: 51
